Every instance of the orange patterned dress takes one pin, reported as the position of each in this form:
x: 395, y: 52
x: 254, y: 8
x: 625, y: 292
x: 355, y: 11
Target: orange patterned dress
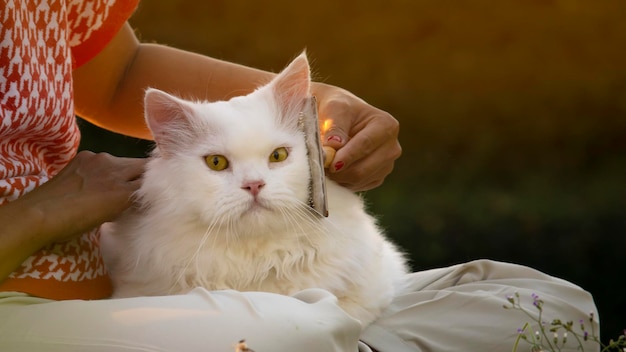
x: 41, y: 41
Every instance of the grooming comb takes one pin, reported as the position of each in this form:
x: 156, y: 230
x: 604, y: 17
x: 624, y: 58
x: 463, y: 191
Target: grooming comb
x: 309, y: 124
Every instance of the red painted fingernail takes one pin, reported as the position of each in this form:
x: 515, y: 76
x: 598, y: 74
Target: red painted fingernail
x: 339, y: 165
x: 334, y: 138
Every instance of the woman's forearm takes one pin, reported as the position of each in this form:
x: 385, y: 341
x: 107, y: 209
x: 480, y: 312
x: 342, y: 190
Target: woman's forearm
x: 19, y: 234
x: 188, y: 75
x: 109, y: 89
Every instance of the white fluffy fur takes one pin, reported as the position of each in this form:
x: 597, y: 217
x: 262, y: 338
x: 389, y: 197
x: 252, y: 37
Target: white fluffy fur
x: 198, y: 227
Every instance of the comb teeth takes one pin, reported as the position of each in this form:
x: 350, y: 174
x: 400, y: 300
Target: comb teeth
x: 309, y: 124
x: 311, y: 201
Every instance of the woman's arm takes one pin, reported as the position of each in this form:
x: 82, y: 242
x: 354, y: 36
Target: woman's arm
x: 109, y: 92
x: 109, y: 89
x: 90, y: 190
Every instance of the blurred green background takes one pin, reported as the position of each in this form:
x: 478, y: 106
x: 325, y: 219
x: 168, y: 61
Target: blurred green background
x: 512, y: 113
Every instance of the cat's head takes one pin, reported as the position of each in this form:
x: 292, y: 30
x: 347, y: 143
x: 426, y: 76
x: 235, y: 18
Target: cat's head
x: 241, y: 161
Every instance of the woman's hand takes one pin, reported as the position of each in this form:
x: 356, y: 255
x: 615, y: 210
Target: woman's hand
x: 90, y: 190
x: 366, y: 138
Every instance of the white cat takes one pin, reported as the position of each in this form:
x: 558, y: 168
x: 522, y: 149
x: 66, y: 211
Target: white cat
x: 223, y: 205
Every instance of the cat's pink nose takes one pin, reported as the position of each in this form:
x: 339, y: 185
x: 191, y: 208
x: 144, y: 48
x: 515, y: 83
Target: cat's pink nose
x: 254, y: 187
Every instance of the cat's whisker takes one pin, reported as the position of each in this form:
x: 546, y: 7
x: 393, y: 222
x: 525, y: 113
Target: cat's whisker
x: 291, y: 220
x: 194, y: 258
x: 205, y: 237
x: 305, y: 213
x: 233, y: 234
x: 298, y: 217
x: 327, y: 225
x: 302, y: 233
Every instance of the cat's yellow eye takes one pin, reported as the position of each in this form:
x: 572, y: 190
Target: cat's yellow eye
x: 216, y: 162
x: 279, y: 154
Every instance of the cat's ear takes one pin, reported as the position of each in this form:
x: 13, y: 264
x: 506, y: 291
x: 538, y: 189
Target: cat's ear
x: 292, y: 86
x: 168, y: 118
